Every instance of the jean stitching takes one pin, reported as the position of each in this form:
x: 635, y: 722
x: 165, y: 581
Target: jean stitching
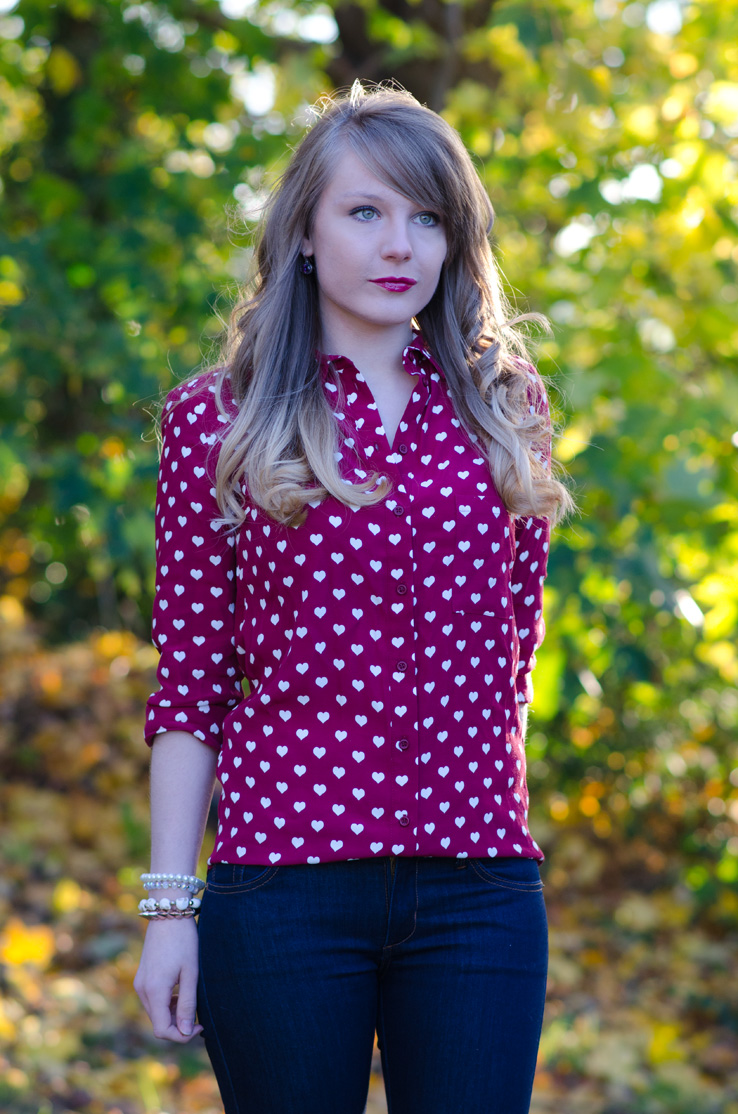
x: 505, y: 883
x: 216, y: 1037
x: 242, y: 887
x: 385, y: 1056
x: 388, y: 947
x: 234, y: 872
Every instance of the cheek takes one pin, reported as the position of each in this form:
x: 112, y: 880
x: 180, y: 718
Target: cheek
x: 338, y: 252
x: 437, y: 266
x: 435, y: 254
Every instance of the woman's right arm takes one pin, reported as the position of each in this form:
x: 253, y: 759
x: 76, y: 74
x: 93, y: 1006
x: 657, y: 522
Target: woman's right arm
x: 182, y: 780
x: 200, y: 679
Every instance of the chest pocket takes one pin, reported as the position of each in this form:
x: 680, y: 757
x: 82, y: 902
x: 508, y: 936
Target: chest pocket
x: 480, y: 572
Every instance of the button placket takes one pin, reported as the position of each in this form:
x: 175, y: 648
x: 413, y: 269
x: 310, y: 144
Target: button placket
x: 403, y: 690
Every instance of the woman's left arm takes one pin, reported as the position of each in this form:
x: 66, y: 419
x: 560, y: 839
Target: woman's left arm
x: 530, y: 563
x: 532, y: 536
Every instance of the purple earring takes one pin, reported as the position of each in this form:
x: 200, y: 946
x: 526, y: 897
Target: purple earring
x: 307, y: 265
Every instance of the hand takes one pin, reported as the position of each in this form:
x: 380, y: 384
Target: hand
x: 169, y: 960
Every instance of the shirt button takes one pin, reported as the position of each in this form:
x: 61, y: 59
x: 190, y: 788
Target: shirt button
x: 404, y: 819
x: 403, y: 743
x: 398, y: 509
x: 402, y: 666
x: 402, y: 449
x: 401, y: 589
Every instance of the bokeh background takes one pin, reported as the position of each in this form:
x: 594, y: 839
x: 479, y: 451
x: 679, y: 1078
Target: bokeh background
x: 137, y: 141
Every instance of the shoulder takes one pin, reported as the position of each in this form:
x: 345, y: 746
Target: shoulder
x: 193, y: 407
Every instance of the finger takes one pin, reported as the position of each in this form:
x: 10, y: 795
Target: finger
x: 162, y: 1014
x: 187, y: 1001
x: 173, y: 1034
x: 186, y: 1025
x: 163, y: 1019
x: 140, y: 988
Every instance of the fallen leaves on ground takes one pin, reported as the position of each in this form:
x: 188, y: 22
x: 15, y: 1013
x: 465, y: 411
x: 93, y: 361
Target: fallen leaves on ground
x: 642, y: 1007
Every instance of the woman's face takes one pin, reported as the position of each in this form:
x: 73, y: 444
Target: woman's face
x: 377, y: 254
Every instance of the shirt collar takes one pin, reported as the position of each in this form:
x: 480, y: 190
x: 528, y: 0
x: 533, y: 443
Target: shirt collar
x: 415, y: 355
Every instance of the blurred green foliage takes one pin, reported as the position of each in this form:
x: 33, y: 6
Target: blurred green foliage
x: 607, y: 134
x: 122, y: 138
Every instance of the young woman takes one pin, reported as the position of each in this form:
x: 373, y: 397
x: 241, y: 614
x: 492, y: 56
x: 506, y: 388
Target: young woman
x: 354, y: 515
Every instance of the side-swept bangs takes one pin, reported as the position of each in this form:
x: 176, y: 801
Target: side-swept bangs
x: 423, y: 159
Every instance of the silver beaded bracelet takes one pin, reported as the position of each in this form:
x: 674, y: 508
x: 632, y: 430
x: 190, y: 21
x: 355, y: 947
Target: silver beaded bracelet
x: 172, y: 881
x: 181, y: 907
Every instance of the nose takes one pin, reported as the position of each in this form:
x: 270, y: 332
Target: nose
x: 397, y: 243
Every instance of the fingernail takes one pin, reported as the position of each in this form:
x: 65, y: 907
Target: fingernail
x: 185, y: 1027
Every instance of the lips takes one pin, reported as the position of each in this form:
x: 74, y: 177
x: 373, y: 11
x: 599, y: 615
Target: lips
x: 394, y: 284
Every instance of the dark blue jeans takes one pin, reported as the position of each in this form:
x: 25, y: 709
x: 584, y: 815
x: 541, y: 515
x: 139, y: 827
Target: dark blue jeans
x: 447, y: 958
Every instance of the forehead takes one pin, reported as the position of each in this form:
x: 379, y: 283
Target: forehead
x: 351, y: 178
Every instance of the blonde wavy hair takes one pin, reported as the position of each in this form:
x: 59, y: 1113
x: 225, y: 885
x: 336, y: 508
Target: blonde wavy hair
x: 282, y: 443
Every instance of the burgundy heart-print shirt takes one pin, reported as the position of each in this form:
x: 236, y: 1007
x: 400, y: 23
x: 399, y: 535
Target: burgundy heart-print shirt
x: 387, y: 648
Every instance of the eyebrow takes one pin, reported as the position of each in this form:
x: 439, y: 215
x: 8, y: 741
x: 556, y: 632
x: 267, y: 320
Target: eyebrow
x: 360, y: 196
x: 357, y: 195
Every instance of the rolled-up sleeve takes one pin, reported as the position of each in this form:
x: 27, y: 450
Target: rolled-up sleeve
x: 529, y: 573
x: 532, y: 538
x: 195, y: 600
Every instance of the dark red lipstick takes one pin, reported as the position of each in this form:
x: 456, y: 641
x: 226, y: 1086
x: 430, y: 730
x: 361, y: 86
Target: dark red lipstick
x: 397, y: 285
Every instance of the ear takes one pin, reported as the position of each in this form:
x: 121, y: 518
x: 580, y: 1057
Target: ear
x: 307, y: 246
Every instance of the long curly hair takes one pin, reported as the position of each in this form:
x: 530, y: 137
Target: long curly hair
x: 280, y: 441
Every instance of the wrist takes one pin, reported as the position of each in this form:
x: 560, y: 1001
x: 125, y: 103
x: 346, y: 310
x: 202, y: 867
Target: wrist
x: 170, y: 895
x: 161, y: 880
x: 181, y: 907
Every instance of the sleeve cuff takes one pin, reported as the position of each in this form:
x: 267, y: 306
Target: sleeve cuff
x: 205, y: 722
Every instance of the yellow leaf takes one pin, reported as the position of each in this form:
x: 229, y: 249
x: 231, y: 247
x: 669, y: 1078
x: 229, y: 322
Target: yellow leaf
x: 601, y: 76
x: 112, y: 447
x: 663, y: 1041
x: 51, y: 681
x: 27, y: 944
x: 642, y: 122
x: 502, y: 44
x: 574, y: 441
x: 722, y: 102
x: 66, y: 896
x: 7, y: 1028
x: 722, y: 656
x: 11, y: 611
x: 687, y: 154
x: 682, y: 65
x: 225, y: 41
x: 10, y: 293
x: 63, y: 71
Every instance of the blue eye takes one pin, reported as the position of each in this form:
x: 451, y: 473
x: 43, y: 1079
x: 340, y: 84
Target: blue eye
x: 429, y: 220
x: 362, y: 212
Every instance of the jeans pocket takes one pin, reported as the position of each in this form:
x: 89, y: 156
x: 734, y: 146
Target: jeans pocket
x: 238, y: 878
x: 509, y: 873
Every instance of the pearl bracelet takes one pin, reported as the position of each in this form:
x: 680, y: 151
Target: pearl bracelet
x: 182, y: 907
x: 172, y: 881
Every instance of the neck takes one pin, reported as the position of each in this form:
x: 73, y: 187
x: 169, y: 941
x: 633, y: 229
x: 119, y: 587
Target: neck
x: 370, y: 348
